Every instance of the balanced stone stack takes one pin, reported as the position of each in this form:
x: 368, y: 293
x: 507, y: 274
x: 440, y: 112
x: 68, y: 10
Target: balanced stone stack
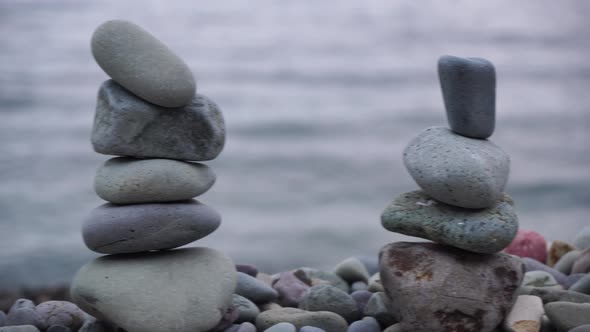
x: 150, y: 116
x: 461, y: 282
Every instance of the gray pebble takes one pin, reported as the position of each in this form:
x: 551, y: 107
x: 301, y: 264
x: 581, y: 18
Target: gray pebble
x: 377, y: 307
x: 58, y: 328
x: 132, y: 181
x: 330, y: 298
x: 22, y: 303
x: 142, y: 64
x: 367, y: 324
x: 351, y: 270
x: 116, y: 229
x: 61, y: 313
x: 582, y: 285
x: 361, y: 298
x: 581, y: 328
x: 25, y: 316
x: 330, y: 277
x: 482, y: 231
x: 125, y: 125
x: 248, y: 269
x: 19, y: 328
x: 566, y: 315
x: 566, y: 262
x: 549, y: 295
x: 290, y: 288
x: 244, y: 327
x: 572, y: 279
x: 328, y: 321
x: 247, y: 310
x: 539, y: 279
x: 582, y: 240
x: 254, y: 289
x: 281, y: 327
x: 469, y: 91
x: 457, y: 170
x: 358, y: 285
x: 310, y: 329
x: 534, y: 265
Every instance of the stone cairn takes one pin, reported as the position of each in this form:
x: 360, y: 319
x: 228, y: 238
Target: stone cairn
x: 460, y: 282
x: 149, y: 114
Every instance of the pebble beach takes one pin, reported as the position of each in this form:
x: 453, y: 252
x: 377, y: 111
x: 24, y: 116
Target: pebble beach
x: 474, y: 268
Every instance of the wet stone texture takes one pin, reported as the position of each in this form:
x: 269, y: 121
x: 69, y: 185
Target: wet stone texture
x: 432, y: 287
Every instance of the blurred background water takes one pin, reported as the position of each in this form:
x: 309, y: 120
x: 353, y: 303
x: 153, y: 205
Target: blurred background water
x: 319, y: 99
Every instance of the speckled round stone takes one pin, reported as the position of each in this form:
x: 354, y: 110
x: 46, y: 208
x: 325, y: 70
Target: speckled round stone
x: 483, y: 231
x: 469, y: 90
x: 457, y: 170
x: 116, y: 229
x: 61, y: 313
x: 142, y: 64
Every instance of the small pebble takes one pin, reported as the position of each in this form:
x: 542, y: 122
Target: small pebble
x: 247, y: 310
x: 582, y: 239
x: 525, y: 315
x: 244, y: 327
x: 330, y: 277
x: 530, y: 244
x: 351, y: 270
x: 290, y: 289
x: 19, y: 328
x: 329, y: 298
x: 22, y: 303
x: 248, y: 269
x: 581, y: 328
x: 556, y: 251
x: 25, y: 316
x: 254, y: 289
x: 534, y: 265
x: 269, y: 306
x: 282, y: 327
x: 311, y: 329
x: 539, y: 279
x: 61, y: 313
x: 582, y: 264
x: 566, y: 315
x: 358, y: 285
x: 566, y: 262
x: 58, y: 328
x: 328, y: 321
x: 377, y: 307
x: 367, y: 324
x: 375, y: 284
x: 572, y: 279
x: 582, y: 285
x: 361, y: 298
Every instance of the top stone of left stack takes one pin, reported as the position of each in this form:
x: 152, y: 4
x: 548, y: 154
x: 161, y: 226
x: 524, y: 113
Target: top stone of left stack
x: 142, y: 64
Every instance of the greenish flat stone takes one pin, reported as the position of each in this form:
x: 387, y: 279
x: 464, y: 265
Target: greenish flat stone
x: 483, y: 231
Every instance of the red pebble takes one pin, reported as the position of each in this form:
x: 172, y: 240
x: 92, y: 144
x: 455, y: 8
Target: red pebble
x: 528, y: 244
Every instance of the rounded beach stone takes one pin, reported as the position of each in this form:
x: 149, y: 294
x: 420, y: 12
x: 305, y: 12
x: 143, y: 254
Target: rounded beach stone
x: 22, y: 303
x: 247, y: 310
x: 290, y: 288
x: 140, y: 292
x: 367, y: 324
x: 582, y: 285
x: 330, y: 277
x: 566, y: 262
x: 566, y: 315
x: 539, y: 279
x: 394, y: 328
x: 556, y: 250
x: 25, y: 316
x: 328, y: 321
x: 581, y: 328
x: 358, y: 285
x: 582, y: 263
x: 310, y: 329
x: 58, y: 328
x: 132, y: 181
x: 282, y: 327
x: 528, y: 244
x: 142, y: 64
x: 469, y: 91
x: 483, y: 231
x: 330, y: 298
x: 254, y: 289
x: 482, y: 290
x: 378, y: 307
x: 125, y: 125
x: 582, y: 240
x: 19, y: 328
x: 571, y: 279
x: 549, y: 295
x: 361, y: 298
x: 248, y: 269
x: 351, y: 270
x: 61, y: 313
x: 525, y: 315
x: 244, y: 327
x: 457, y: 170
x: 534, y: 265
x: 116, y: 229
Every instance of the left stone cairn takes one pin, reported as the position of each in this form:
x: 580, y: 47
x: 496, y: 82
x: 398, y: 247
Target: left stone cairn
x: 150, y: 116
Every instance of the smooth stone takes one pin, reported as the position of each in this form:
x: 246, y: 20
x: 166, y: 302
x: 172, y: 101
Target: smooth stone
x: 566, y: 315
x: 483, y: 231
x: 131, y: 181
x: 457, y: 170
x: 469, y: 91
x: 61, y: 313
x: 525, y: 315
x: 19, y: 328
x: 142, y: 64
x: 367, y: 324
x: 282, y: 327
x: 361, y: 298
x: 140, y: 292
x: 125, y: 125
x: 248, y: 269
x: 247, y: 310
x: 330, y: 298
x: 351, y: 270
x: 269, y: 306
x: 25, y: 316
x: 528, y: 244
x: 474, y: 292
x: 58, y: 328
x: 566, y: 262
x: 549, y: 295
x: 328, y: 321
x: 371, y: 263
x: 572, y: 279
x: 397, y: 327
x: 310, y: 329
x: 117, y: 229
x: 581, y: 328
x: 22, y: 304
x: 265, y: 278
x: 358, y: 285
x: 375, y: 284
x: 556, y: 250
x: 254, y: 289
x: 582, y: 239
x: 330, y: 277
x: 534, y: 265
x: 582, y: 263
x: 539, y: 279
x: 244, y: 327
x: 582, y: 285
x: 379, y: 308
x: 291, y: 290
x: 229, y: 316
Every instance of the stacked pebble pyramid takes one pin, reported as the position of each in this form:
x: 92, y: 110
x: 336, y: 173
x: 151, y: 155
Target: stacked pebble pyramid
x: 460, y: 282
x: 150, y: 116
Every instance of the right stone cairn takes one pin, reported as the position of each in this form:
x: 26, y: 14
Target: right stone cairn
x: 461, y: 282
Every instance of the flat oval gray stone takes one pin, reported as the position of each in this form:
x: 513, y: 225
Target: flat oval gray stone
x: 330, y: 298
x: 367, y: 324
x: 469, y: 91
x: 566, y: 315
x: 484, y: 231
x: 254, y: 289
x: 247, y: 310
x: 142, y: 64
x: 281, y: 327
x: 131, y: 181
x: 581, y: 328
x: 457, y: 170
x: 182, y: 290
x: 352, y: 269
x: 582, y: 285
x: 125, y: 125
x: 325, y: 320
x: 566, y: 262
x: 116, y: 229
